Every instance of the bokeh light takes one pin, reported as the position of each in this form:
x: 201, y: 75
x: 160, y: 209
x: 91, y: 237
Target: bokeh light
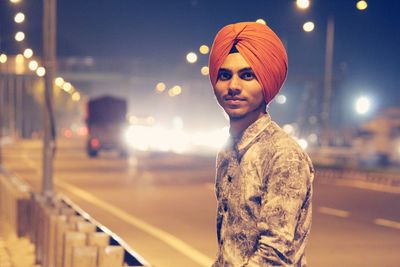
x: 19, y: 36
x: 261, y: 21
x: 19, y: 17
x: 308, y: 26
x: 303, y: 4
x: 204, y: 49
x: 40, y: 71
x: 33, y: 65
x: 205, y: 71
x: 160, y: 87
x: 191, y: 57
x: 361, y: 5
x: 28, y: 53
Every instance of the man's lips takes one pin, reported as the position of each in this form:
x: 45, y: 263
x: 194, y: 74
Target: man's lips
x: 233, y: 100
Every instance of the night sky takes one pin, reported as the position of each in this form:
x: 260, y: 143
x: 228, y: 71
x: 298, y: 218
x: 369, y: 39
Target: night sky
x: 156, y: 35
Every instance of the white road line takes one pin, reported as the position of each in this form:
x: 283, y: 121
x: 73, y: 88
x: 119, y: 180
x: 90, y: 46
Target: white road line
x: 387, y: 223
x: 368, y: 186
x: 334, y: 212
x: 165, y: 237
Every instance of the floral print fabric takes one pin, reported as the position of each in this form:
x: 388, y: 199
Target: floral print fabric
x: 264, y: 193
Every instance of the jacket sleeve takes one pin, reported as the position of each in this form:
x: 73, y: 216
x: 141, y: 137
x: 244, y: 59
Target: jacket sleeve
x: 287, y: 183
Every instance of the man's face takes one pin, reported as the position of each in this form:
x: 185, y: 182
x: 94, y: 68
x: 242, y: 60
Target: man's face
x: 237, y: 89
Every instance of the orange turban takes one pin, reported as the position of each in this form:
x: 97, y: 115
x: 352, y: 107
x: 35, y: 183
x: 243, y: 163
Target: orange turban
x: 260, y: 47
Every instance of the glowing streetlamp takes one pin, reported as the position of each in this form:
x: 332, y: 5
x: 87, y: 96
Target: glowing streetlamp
x: 28, y: 53
x: 76, y: 96
x: 19, y: 36
x: 19, y: 17
x: 205, y: 71
x: 33, y: 65
x: 3, y: 58
x: 362, y: 105
x: 261, y: 21
x: 67, y: 87
x: 303, y: 4
x: 15, y: 1
x: 280, y: 99
x: 160, y: 87
x: 204, y: 49
x: 361, y: 5
x: 191, y: 57
x: 40, y: 71
x: 59, y: 81
x: 308, y: 26
x: 174, y: 91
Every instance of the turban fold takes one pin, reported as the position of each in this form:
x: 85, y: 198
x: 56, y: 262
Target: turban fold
x: 260, y: 47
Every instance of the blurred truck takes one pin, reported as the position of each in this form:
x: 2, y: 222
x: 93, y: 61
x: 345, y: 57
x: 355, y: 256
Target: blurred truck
x: 106, y: 123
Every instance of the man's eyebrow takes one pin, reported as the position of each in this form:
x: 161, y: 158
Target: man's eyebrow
x: 246, y: 69
x: 223, y: 69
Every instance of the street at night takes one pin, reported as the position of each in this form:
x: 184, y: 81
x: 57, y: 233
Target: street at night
x: 164, y: 206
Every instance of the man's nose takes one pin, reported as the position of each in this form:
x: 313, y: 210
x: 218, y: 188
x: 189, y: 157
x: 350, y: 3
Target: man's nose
x: 235, y: 85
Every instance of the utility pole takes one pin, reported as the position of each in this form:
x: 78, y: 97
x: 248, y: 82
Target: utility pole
x: 49, y: 55
x: 330, y: 35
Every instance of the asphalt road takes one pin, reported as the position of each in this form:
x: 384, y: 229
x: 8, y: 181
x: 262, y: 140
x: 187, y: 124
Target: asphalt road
x: 163, y: 206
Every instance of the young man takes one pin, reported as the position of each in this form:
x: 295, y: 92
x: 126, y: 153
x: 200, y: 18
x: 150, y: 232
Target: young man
x: 264, y: 178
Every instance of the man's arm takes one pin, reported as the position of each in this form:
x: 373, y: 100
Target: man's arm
x: 288, y: 185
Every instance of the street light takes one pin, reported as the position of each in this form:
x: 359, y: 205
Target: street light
x: 160, y: 87
x: 59, y: 81
x: 28, y: 53
x: 205, y: 71
x: 67, y: 87
x: 19, y: 36
x: 261, y: 21
x: 15, y: 1
x: 362, y: 105
x: 33, y: 65
x: 191, y: 57
x: 3, y: 58
x: 281, y: 99
x: 19, y: 17
x: 41, y: 71
x: 308, y: 26
x: 361, y: 5
x: 303, y: 4
x: 204, y: 49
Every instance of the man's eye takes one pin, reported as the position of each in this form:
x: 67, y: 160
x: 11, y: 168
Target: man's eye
x: 248, y: 76
x: 224, y: 76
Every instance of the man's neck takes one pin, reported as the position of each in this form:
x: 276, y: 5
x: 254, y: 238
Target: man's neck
x: 238, y: 126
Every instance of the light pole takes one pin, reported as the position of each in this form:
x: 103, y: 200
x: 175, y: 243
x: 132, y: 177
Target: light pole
x: 329, y: 46
x: 49, y: 54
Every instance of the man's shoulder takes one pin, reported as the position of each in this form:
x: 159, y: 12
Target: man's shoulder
x: 281, y: 143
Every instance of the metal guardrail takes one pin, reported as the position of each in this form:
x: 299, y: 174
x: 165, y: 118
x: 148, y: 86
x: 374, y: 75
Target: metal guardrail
x: 62, y: 233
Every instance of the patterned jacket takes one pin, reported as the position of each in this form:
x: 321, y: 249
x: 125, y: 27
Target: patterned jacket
x: 264, y: 193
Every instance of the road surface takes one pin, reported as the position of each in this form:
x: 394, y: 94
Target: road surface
x: 163, y: 206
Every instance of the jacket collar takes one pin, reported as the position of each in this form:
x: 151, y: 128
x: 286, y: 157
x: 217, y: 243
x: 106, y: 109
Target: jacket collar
x: 250, y: 134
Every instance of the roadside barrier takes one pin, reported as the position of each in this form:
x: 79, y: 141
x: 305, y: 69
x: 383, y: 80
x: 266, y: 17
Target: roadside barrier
x: 38, y: 231
x: 376, y: 177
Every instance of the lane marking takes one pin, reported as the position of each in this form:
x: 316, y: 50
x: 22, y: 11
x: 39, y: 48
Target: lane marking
x: 387, y: 223
x: 167, y: 238
x: 163, y: 236
x: 334, y: 212
x: 369, y: 186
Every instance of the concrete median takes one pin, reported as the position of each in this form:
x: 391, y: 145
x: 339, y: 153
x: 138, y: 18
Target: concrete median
x: 53, y: 232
